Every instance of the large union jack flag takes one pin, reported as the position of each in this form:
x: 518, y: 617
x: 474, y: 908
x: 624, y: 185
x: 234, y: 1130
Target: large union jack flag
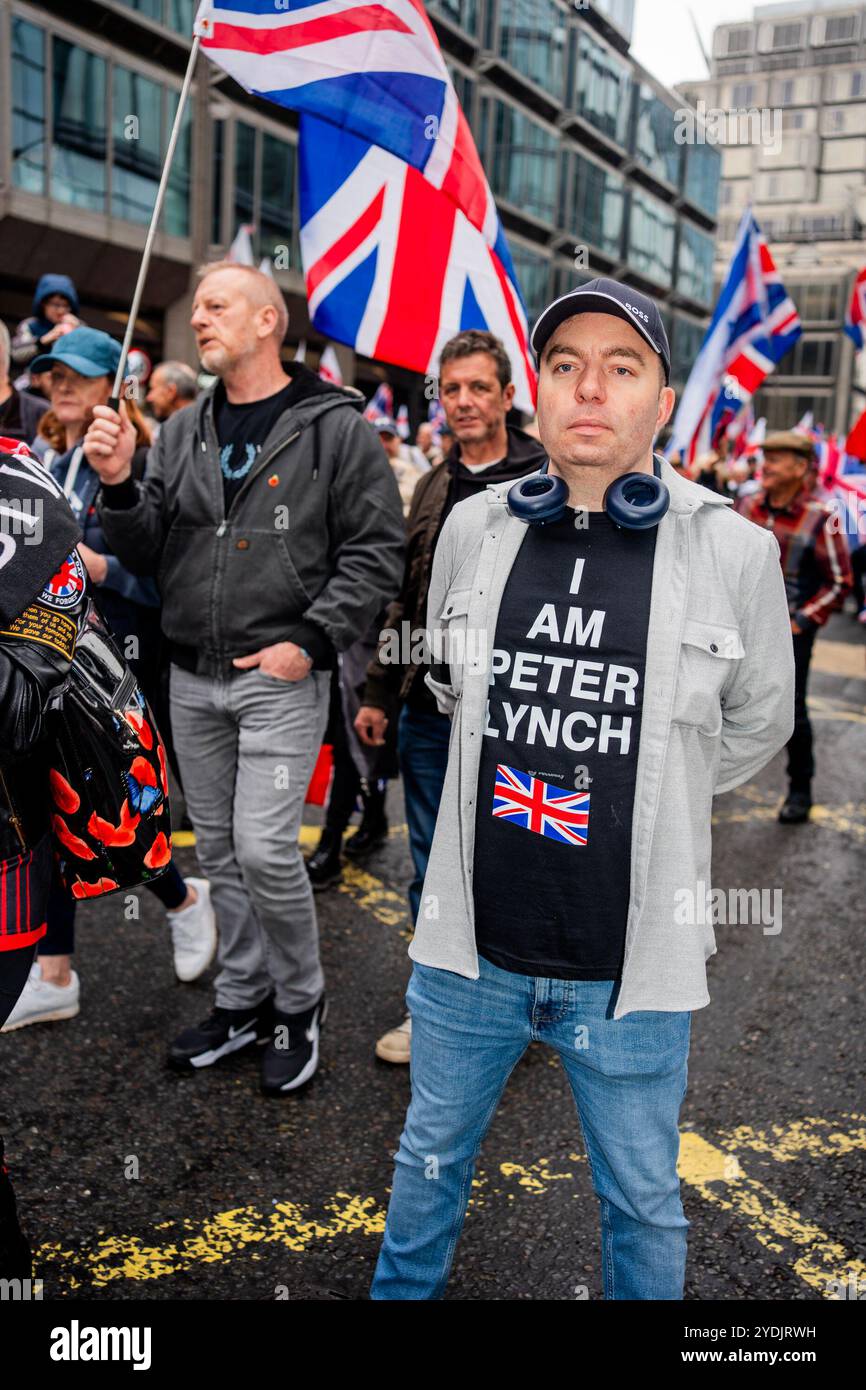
x: 754, y: 324
x: 535, y: 805
x: 401, y: 241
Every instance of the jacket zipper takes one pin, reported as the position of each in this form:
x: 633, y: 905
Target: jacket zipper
x: 13, y: 814
x: 263, y: 463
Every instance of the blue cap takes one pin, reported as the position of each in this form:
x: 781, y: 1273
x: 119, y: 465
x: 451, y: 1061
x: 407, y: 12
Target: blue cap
x: 85, y: 350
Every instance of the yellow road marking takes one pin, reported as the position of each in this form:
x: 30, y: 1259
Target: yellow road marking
x: 719, y: 1179
x: 712, y: 1170
x: 218, y: 1239
x: 812, y: 1136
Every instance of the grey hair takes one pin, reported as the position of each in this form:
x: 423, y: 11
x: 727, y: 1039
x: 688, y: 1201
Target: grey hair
x: 5, y: 348
x: 182, y: 377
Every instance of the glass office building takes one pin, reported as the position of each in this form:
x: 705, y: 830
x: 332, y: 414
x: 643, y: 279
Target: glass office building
x: 578, y: 144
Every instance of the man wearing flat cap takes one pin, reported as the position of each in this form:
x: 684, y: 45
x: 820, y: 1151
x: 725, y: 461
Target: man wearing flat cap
x: 817, y: 574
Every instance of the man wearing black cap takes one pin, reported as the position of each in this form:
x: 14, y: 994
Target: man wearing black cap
x: 624, y: 674
x: 817, y: 573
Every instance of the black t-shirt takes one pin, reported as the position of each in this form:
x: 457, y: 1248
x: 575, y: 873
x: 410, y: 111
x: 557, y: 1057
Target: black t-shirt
x: 243, y: 429
x: 551, y: 876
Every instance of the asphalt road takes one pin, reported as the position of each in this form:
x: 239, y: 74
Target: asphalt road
x: 135, y: 1183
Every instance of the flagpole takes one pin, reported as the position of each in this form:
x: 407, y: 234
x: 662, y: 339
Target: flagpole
x: 154, y: 220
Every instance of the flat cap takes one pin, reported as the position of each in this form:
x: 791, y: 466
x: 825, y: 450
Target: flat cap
x: 791, y: 442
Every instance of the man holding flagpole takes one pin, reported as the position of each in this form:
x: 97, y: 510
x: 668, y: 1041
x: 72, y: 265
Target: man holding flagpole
x: 271, y: 519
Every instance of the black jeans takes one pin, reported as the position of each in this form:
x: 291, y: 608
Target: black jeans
x: 801, y: 762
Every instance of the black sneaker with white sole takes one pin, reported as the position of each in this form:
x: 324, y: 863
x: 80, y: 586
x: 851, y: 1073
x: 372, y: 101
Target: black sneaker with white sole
x: 223, y: 1032
x: 292, y: 1054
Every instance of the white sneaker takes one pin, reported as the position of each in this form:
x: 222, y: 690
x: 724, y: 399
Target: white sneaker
x: 194, y: 933
x: 396, y: 1045
x: 43, y: 1002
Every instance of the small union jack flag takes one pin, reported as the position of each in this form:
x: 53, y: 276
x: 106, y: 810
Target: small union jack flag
x: 535, y: 805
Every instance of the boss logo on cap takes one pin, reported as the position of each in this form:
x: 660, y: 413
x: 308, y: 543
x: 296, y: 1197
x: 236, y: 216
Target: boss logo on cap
x: 640, y: 313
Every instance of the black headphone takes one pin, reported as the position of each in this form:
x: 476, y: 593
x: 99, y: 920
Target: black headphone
x: 634, y: 501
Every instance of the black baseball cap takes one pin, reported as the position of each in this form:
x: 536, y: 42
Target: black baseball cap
x: 603, y: 296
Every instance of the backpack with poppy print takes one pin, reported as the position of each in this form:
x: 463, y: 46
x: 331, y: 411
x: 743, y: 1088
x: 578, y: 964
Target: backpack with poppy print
x: 108, y: 780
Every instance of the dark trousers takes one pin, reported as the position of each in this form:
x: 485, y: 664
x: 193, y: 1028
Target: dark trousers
x: 423, y: 749
x: 801, y: 762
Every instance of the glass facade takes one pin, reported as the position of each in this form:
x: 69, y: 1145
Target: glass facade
x: 136, y: 145
x: 175, y: 14
x: 695, y: 267
x: 533, y: 277
x: 277, y: 203
x: 703, y: 177
x: 531, y: 37
x: 28, y: 106
x: 602, y: 88
x: 461, y: 12
x: 116, y: 172
x: 78, y: 135
x: 524, y: 162
x: 686, y: 337
x: 651, y: 238
x: 175, y: 212
x: 264, y: 194
x: 599, y: 205
x: 654, y: 144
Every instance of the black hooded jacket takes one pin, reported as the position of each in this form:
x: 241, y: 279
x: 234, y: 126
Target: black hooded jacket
x: 435, y: 495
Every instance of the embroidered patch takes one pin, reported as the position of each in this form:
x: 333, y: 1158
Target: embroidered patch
x: 65, y: 588
x: 38, y: 624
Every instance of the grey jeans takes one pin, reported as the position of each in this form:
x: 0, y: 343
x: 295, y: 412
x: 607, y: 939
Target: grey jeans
x: 246, y: 747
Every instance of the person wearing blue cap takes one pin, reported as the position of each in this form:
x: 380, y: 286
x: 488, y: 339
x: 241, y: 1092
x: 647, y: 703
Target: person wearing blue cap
x: 82, y: 364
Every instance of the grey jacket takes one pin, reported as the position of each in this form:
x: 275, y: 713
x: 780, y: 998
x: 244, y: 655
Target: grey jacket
x: 718, y: 703
x: 311, y: 549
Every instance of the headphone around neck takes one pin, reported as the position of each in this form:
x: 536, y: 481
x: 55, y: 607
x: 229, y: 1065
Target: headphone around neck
x: 634, y: 501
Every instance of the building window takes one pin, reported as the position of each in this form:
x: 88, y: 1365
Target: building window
x: 655, y: 146
x: 175, y: 215
x: 463, y: 13
x: 531, y: 38
x: 840, y: 28
x: 738, y: 41
x: 858, y: 84
x: 28, y: 106
x: 533, y: 273
x: 216, y: 213
x: 743, y: 94
x: 78, y: 136
x: 598, y: 205
x: 651, y: 238
x: 136, y: 145
x: 686, y: 339
x: 695, y: 268
x: 787, y: 36
x: 703, y: 177
x: 602, y: 93
x: 786, y: 93
x: 276, y: 222
x: 524, y: 162
x: 817, y: 301
x: 176, y: 14
x: 264, y: 195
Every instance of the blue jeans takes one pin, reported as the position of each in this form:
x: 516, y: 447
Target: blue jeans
x: 628, y: 1077
x: 422, y: 746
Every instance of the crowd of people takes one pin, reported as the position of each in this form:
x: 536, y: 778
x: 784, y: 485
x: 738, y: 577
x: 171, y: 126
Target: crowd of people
x: 254, y: 546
